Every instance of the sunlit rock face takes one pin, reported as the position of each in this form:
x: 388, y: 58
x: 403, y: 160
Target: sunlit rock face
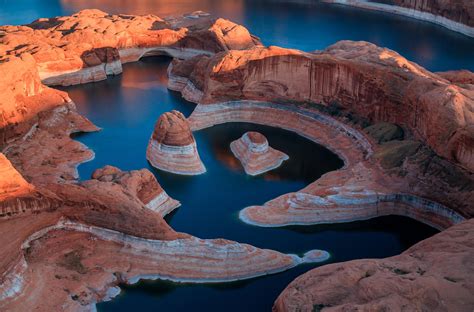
x: 17, y: 196
x: 429, y: 276
x: 372, y: 82
x: 91, y: 44
x: 23, y: 96
x: 172, y: 146
x: 255, y: 154
x: 142, y: 184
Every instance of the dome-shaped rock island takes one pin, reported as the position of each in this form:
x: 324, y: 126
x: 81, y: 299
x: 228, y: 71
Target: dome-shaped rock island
x: 172, y: 146
x: 255, y: 154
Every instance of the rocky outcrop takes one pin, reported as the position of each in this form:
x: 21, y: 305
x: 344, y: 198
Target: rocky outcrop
x: 17, y: 196
x: 370, y: 82
x: 12, y: 184
x: 454, y: 15
x: 172, y: 146
x: 23, y: 96
x: 430, y: 276
x: 141, y: 184
x: 362, y: 189
x: 88, y: 264
x: 255, y: 155
x: 91, y: 44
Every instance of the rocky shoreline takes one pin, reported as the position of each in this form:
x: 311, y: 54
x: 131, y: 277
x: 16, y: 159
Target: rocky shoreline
x: 88, y: 237
x: 255, y: 155
x: 412, y: 11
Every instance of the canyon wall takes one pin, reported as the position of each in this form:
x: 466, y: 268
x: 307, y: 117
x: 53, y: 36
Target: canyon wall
x: 88, y: 46
x: 456, y: 15
x: 430, y: 276
x: 371, y: 82
x: 461, y: 11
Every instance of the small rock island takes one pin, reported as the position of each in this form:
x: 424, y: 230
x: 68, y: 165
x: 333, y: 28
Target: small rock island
x: 172, y: 146
x: 255, y: 154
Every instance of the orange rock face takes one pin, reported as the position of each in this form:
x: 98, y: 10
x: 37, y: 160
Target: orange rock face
x: 142, y: 184
x: 255, y: 154
x: 173, y: 129
x: 92, y: 44
x: 430, y: 276
x: 372, y: 82
x: 172, y: 146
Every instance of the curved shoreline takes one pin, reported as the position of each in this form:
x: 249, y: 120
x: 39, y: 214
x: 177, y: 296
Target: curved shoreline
x: 322, y: 202
x: 412, y: 13
x: 203, y: 260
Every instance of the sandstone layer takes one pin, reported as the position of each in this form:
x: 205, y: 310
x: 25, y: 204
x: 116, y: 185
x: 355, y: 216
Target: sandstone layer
x: 91, y: 44
x: 172, y: 146
x: 255, y: 155
x: 362, y: 189
x: 88, y: 46
x: 74, y: 242
x: 411, y: 159
x: 142, y: 184
x: 430, y: 276
x: 370, y: 82
x: 455, y: 15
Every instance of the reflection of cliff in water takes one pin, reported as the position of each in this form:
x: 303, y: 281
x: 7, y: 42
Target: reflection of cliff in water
x: 308, y: 160
x: 231, y: 9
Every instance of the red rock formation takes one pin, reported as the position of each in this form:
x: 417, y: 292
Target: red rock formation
x: 255, y: 154
x: 141, y: 184
x: 372, y: 82
x: 92, y: 44
x: 362, y: 189
x: 172, y: 146
x: 430, y: 276
x: 12, y: 183
x: 23, y: 96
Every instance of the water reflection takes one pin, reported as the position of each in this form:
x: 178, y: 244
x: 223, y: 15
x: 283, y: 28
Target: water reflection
x: 211, y: 202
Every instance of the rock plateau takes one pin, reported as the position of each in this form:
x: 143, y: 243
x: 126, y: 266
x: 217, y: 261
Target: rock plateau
x: 406, y: 136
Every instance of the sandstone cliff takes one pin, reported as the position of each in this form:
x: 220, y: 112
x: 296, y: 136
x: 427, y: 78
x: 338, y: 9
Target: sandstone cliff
x: 461, y: 11
x: 430, y: 276
x: 375, y: 83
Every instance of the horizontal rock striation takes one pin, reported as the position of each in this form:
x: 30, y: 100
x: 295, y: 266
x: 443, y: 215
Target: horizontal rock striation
x: 347, y: 205
x: 141, y: 184
x: 172, y: 146
x: 128, y: 259
x: 371, y: 82
x: 255, y: 154
x: 91, y: 44
x: 454, y: 15
x: 429, y: 276
x: 361, y: 190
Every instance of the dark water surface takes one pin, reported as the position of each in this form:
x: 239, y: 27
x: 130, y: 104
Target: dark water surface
x: 307, y: 26
x: 127, y: 106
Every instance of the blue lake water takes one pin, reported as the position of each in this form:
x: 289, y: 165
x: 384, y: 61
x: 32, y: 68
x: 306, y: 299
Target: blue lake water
x: 127, y: 106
